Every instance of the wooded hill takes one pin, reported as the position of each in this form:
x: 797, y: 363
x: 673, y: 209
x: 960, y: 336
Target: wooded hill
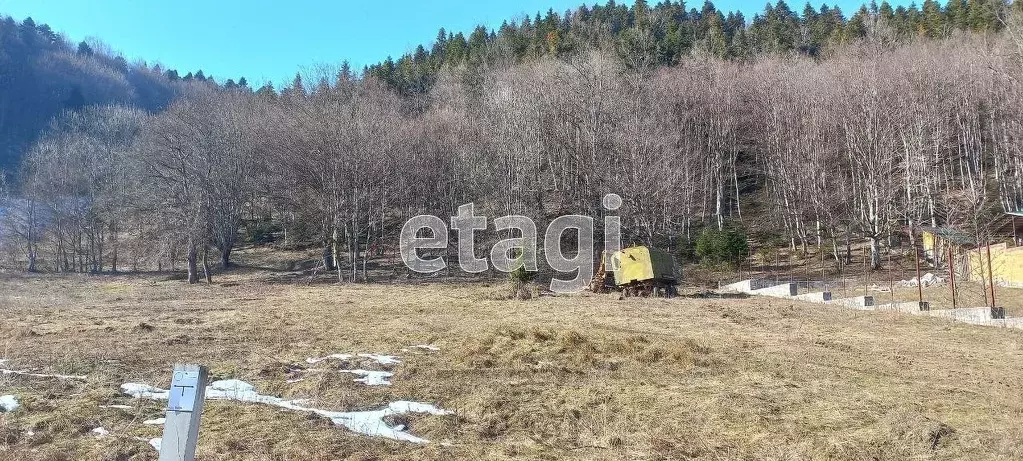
x: 870, y: 135
x: 42, y: 73
x: 668, y: 33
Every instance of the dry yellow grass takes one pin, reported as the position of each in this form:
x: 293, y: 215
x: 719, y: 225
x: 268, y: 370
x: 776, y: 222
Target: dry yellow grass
x: 565, y: 377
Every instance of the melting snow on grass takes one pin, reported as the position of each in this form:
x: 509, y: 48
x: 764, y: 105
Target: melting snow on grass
x: 371, y: 377
x: 100, y: 432
x: 332, y: 356
x: 369, y: 422
x: 382, y: 359
x: 28, y: 373
x: 367, y: 377
x: 8, y: 403
x: 155, y: 422
x: 378, y: 358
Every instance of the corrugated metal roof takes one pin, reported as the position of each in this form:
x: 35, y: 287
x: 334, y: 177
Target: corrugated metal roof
x: 953, y: 235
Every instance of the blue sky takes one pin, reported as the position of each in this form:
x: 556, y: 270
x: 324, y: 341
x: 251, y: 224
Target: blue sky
x: 269, y: 40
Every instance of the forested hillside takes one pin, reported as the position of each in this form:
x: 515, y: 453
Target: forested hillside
x: 670, y: 32
x: 858, y: 132
x: 42, y: 74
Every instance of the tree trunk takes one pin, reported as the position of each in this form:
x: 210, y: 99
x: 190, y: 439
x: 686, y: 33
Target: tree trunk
x: 327, y: 258
x: 875, y: 253
x: 225, y: 258
x: 193, y: 271
x: 206, y: 265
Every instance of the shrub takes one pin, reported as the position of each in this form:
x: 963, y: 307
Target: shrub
x: 521, y: 278
x: 721, y: 246
x: 521, y: 274
x: 260, y: 232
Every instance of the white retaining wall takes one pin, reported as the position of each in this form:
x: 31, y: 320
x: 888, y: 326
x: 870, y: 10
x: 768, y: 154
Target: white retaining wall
x: 913, y: 307
x: 779, y: 291
x: 815, y: 297
x: 858, y: 302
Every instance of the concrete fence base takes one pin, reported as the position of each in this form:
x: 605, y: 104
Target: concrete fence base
x: 858, y: 302
x: 779, y: 291
x: 991, y: 316
x: 908, y: 307
x: 815, y: 297
x: 974, y: 314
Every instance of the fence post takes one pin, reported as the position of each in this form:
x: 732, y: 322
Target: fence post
x: 184, y: 407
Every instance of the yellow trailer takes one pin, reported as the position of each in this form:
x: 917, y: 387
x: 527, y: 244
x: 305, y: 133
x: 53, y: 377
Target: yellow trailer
x: 638, y: 271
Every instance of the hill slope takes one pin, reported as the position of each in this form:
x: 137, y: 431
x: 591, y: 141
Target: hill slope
x: 41, y: 74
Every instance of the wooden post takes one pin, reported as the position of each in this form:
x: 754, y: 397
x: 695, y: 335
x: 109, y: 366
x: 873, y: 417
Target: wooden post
x: 824, y: 277
x: 806, y: 270
x: 919, y: 283
x: 980, y: 273
x: 990, y: 275
x: 184, y: 407
x: 866, y: 271
x: 891, y: 278
x: 952, y: 274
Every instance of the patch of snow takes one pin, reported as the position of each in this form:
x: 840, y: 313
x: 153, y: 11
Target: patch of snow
x: 8, y: 403
x: 100, y: 432
x: 928, y: 279
x: 332, y: 356
x: 155, y: 422
x: 371, y: 377
x: 40, y: 375
x: 296, y: 380
x: 382, y: 359
x: 155, y: 443
x: 144, y: 391
x: 370, y: 422
x: 118, y: 407
x: 429, y: 347
x: 378, y: 358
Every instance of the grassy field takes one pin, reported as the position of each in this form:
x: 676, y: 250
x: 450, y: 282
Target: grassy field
x: 556, y: 377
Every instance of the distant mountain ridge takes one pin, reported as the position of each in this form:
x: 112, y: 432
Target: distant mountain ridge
x: 42, y: 74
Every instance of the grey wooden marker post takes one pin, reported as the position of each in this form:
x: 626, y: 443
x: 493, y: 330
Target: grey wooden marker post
x: 184, y: 407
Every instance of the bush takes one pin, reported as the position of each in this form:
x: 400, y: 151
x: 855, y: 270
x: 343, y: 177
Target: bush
x: 685, y: 251
x: 260, y: 232
x: 521, y: 278
x: 727, y: 246
x: 520, y: 274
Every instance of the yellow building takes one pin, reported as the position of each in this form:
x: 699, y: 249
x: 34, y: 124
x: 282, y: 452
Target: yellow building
x: 971, y: 260
x: 1006, y: 265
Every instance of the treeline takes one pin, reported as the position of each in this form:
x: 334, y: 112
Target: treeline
x: 797, y: 150
x: 42, y: 73
x: 668, y: 33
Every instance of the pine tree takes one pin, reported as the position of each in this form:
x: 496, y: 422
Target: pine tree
x: 641, y: 14
x: 956, y: 15
x: 932, y: 19
x: 75, y: 99
x: 982, y: 16
x: 84, y: 49
x: 717, y: 45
